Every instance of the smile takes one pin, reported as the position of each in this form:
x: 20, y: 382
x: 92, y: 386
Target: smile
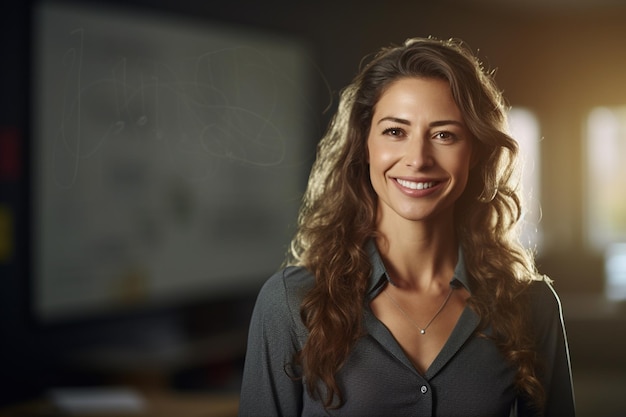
x: 415, y: 185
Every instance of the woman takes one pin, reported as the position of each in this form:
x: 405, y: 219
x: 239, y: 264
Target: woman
x: 407, y: 291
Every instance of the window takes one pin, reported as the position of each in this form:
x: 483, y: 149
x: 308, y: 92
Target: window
x: 524, y: 127
x: 605, y: 195
x: 604, y: 199
x: 615, y: 271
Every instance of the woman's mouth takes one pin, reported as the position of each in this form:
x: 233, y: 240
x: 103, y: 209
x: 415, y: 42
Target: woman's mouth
x: 415, y: 185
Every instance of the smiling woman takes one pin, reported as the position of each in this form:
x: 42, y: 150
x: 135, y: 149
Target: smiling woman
x: 419, y: 152
x: 407, y: 291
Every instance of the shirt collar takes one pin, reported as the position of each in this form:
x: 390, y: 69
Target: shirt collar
x: 379, y: 273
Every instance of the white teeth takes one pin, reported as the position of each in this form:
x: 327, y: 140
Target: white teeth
x: 415, y: 185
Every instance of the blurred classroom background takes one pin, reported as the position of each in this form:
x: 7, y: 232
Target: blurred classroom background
x: 153, y: 153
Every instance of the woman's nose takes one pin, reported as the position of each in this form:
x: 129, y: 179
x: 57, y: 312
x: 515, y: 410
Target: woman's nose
x: 418, y: 153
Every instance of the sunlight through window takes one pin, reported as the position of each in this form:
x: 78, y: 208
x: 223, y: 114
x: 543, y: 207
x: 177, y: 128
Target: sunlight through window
x: 605, y: 195
x: 524, y: 127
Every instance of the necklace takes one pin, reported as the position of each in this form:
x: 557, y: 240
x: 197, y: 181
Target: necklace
x: 422, y: 330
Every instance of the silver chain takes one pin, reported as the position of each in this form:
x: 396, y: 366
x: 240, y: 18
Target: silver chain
x: 421, y: 330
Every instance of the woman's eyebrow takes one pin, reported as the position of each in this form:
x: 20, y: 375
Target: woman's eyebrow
x: 446, y: 122
x: 395, y: 120
x: 437, y: 123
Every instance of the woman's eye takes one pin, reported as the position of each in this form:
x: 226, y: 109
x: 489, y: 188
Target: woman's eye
x: 445, y: 136
x: 393, y: 131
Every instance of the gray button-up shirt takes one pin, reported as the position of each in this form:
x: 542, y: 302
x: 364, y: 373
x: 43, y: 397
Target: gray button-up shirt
x: 468, y: 378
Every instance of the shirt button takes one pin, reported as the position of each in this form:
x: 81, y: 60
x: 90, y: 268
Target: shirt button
x: 424, y: 389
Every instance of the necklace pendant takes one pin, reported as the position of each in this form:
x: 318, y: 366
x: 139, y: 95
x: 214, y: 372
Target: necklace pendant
x: 404, y: 313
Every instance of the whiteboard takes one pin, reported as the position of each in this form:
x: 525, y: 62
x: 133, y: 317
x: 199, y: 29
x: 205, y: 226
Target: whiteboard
x: 169, y: 157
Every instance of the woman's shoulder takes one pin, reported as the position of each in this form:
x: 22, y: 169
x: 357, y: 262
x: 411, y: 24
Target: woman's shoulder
x: 282, y: 293
x: 291, y: 282
x: 541, y: 292
x: 544, y: 302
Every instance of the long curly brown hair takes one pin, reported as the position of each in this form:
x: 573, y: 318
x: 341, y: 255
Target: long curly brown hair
x: 339, y: 208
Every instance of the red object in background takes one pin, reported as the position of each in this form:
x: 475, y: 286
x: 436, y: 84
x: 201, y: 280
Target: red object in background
x: 10, y: 161
x: 7, y: 237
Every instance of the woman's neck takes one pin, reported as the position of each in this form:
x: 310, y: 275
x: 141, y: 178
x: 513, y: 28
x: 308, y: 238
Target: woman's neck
x: 419, y: 255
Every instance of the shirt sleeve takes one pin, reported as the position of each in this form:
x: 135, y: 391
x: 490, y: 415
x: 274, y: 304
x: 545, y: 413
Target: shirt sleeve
x: 553, y: 352
x: 269, y: 388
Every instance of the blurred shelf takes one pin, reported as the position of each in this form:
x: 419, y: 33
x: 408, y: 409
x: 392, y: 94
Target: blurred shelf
x: 153, y: 404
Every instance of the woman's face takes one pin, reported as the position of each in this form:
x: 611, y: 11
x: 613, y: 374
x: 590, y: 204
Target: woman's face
x: 419, y: 150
